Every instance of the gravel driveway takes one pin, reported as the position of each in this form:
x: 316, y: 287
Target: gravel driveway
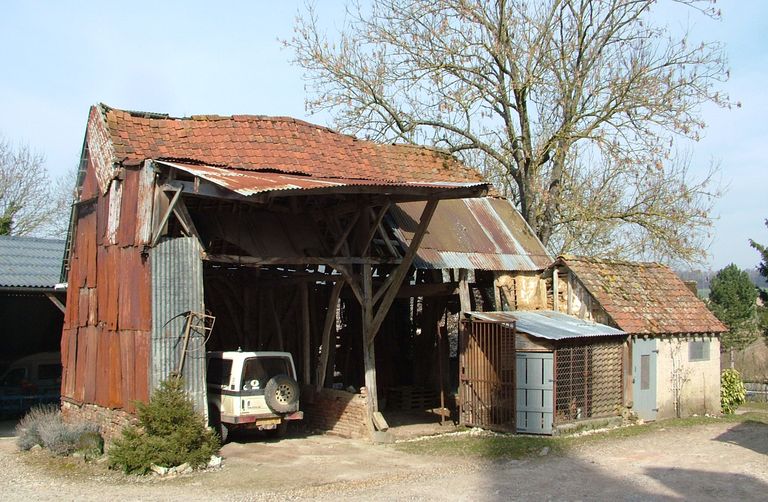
x: 709, y: 462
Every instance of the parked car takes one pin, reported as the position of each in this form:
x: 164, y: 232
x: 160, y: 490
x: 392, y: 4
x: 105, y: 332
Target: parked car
x: 252, y: 390
x: 30, y: 380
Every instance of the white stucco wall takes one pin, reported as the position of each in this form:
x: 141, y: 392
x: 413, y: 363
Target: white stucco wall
x: 700, y: 379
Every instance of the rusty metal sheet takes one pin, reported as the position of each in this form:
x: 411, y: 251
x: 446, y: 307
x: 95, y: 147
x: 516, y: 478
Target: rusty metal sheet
x: 248, y: 182
x: 102, y: 217
x: 90, y: 186
x: 71, y: 308
x: 134, y: 290
x: 115, y: 391
x: 482, y: 234
x: 127, y: 369
x: 68, y: 360
x: 81, y: 365
x: 103, y: 363
x: 112, y: 275
x: 141, y: 359
x: 126, y: 231
x: 83, y: 307
x: 91, y: 363
x: 145, y: 196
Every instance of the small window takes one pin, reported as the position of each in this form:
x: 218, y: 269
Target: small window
x: 698, y: 351
x: 645, y: 372
x: 219, y: 371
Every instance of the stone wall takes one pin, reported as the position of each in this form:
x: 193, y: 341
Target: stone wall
x: 110, y: 421
x: 336, y: 412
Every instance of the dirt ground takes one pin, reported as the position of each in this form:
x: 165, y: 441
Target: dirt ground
x: 708, y: 462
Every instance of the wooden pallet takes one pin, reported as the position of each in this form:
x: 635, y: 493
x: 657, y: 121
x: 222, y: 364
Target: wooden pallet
x: 411, y: 398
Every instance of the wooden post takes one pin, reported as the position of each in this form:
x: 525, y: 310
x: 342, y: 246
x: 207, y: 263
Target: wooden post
x: 330, y: 317
x: 306, y: 333
x: 555, y: 290
x: 464, y: 300
x: 369, y: 355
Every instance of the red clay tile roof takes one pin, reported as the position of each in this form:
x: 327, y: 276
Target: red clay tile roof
x: 643, y: 298
x: 274, y: 143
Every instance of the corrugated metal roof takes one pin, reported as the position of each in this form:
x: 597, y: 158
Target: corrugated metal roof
x: 549, y: 324
x: 249, y: 182
x: 29, y: 262
x: 484, y: 234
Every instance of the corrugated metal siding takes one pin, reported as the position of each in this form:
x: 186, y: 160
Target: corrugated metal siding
x: 482, y: 234
x: 549, y: 324
x: 177, y: 287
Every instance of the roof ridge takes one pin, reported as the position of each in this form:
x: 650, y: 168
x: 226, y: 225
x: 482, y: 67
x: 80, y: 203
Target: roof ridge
x: 611, y: 261
x: 216, y: 117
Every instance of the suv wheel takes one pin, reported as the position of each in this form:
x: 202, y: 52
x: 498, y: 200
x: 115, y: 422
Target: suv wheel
x: 282, y: 394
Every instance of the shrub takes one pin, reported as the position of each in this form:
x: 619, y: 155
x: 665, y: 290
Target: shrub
x: 28, y: 428
x: 171, y: 433
x: 44, y: 426
x: 64, y: 439
x: 732, y: 391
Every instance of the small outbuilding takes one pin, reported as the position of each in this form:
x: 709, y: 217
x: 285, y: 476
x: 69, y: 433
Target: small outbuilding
x: 673, y: 351
x: 535, y: 371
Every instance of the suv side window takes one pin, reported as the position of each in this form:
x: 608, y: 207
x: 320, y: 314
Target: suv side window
x: 219, y: 371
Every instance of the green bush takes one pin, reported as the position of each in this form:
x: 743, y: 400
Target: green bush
x: 170, y: 433
x: 732, y: 391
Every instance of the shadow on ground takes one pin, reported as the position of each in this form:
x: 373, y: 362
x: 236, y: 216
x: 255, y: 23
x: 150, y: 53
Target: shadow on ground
x: 747, y: 435
x: 691, y: 484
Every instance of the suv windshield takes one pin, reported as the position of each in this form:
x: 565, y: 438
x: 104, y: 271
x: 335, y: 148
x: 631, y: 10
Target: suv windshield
x: 261, y: 369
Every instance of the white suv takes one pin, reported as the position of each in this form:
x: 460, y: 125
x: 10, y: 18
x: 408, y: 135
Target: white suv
x: 256, y: 390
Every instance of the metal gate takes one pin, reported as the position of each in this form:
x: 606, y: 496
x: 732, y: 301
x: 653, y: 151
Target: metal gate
x: 487, y: 375
x: 535, y: 399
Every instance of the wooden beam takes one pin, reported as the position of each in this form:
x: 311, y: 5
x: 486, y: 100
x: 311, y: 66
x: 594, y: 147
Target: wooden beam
x: 164, y: 219
x: 351, y: 279
x: 181, y: 212
x: 330, y: 318
x: 343, y: 237
x: 56, y: 302
x: 402, y: 269
x: 306, y: 333
x: 377, y: 217
x: 331, y: 261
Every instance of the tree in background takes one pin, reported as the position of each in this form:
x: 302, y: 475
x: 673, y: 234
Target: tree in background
x: 763, y: 266
x: 763, y: 269
x: 573, y: 108
x: 30, y: 203
x: 732, y: 299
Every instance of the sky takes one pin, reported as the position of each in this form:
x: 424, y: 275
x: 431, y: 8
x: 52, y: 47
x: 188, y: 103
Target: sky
x: 184, y: 58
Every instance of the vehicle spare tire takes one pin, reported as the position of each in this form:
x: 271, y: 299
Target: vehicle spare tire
x: 282, y: 394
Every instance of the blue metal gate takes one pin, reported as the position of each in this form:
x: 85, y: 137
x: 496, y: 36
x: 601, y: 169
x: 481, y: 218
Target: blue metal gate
x: 535, y: 397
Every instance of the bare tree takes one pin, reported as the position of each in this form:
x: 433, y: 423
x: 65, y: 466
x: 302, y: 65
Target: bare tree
x: 30, y: 203
x: 573, y: 108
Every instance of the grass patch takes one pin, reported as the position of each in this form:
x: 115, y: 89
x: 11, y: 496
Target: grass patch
x: 509, y: 446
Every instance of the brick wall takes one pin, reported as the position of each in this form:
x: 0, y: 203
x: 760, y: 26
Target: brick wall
x: 111, y: 422
x: 336, y: 412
